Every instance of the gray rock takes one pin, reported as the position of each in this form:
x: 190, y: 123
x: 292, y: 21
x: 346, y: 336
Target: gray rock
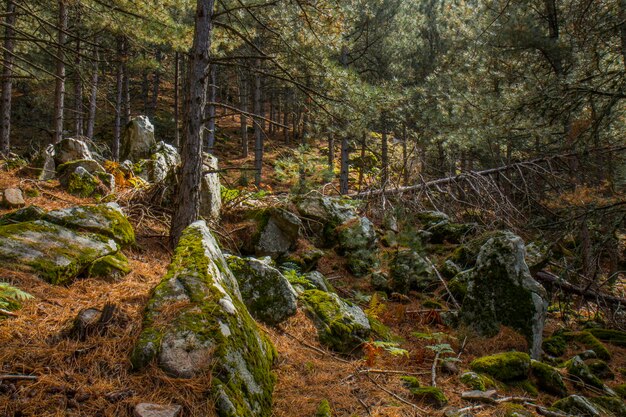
x: 162, y: 162
x: 579, y: 369
x: 157, y: 410
x: 341, y: 326
x: 501, y: 290
x: 380, y: 282
x: 489, y: 396
x: 210, y: 330
x: 265, y: 291
x: 325, y: 209
x: 25, y: 214
x: 13, y: 198
x: 577, y: 405
x: 210, y: 189
x: 56, y: 253
x: 362, y: 261
x: 71, y: 149
x: 355, y: 234
x: 319, y: 281
x: 81, y: 183
x: 138, y: 139
x: 48, y: 166
x: 105, y: 219
x: 66, y: 170
x: 278, y: 233
x: 409, y: 270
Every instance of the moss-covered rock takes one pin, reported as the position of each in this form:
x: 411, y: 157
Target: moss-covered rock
x: 620, y: 390
x: 409, y: 270
x: 55, y: 253
x: 410, y: 382
x: 466, y: 254
x: 265, y: 291
x: 589, y: 341
x: 277, y: 232
x: 554, y: 346
x: 105, y: 219
x: 501, y: 291
x: 319, y: 281
x: 578, y: 405
x: 547, y: 378
x: 25, y: 214
x: 611, y: 404
x: 515, y: 410
x: 506, y: 366
x: 380, y: 282
x: 430, y: 395
x: 356, y: 234
x: 361, y: 262
x: 449, y: 232
x: 476, y: 381
x: 111, y: 266
x: 196, y: 322
x: 578, y: 369
x: 323, y: 409
x: 81, y: 183
x: 600, y: 368
x: 449, y: 269
x: 341, y: 326
x: 614, y: 337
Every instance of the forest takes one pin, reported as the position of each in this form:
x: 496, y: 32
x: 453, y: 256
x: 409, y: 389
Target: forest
x: 312, y: 208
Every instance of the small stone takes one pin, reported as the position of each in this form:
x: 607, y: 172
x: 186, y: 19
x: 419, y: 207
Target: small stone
x: 578, y: 405
x: 13, y: 198
x: 157, y: 410
x: 489, y: 396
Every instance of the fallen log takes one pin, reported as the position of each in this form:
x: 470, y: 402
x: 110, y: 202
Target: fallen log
x: 549, y: 278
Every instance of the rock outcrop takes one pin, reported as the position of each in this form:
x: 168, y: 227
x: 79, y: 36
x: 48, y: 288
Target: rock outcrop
x: 210, y: 329
x: 277, y: 233
x: 138, y: 139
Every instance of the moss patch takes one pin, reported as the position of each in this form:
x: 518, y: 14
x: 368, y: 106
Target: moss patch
x: 614, y: 337
x: 589, y: 341
x: 110, y: 266
x: 323, y: 409
x: 554, y: 346
x: 507, y: 366
x: 547, y: 378
x: 431, y: 395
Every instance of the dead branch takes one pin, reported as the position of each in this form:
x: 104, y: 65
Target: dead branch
x: 549, y: 278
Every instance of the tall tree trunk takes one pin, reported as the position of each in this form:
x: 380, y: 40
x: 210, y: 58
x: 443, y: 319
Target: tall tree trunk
x: 176, y: 99
x: 286, y: 119
x: 7, y: 81
x: 384, y: 154
x: 145, y: 86
x: 91, y: 119
x: 59, y: 91
x: 361, y: 168
x: 258, y: 133
x: 345, y: 165
x: 156, y: 82
x: 331, y: 151
x: 78, y: 87
x: 211, y: 108
x: 243, y: 104
x: 405, y: 157
x: 119, y: 90
x: 187, y: 205
x: 126, y: 83
x: 622, y: 28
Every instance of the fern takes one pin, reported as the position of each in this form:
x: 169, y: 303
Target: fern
x: 11, y: 297
x: 376, y: 307
x: 391, y: 348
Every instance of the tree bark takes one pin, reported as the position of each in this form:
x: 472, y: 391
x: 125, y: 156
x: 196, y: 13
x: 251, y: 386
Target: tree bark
x: 176, y: 99
x: 117, y: 129
x: 331, y: 151
x: 93, y: 98
x: 345, y: 161
x: 7, y: 81
x: 59, y: 91
x: 243, y: 103
x: 258, y: 134
x: 78, y: 87
x: 405, y: 157
x: 622, y: 28
x: 384, y: 154
x: 156, y: 83
x: 187, y: 205
x: 211, y: 108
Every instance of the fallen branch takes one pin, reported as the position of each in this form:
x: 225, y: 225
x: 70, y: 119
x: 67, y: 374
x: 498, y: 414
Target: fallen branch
x: 390, y: 371
x: 18, y: 377
x: 7, y: 312
x: 549, y: 278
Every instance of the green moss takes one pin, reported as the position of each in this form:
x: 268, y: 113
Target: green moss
x: 476, y: 381
x: 458, y: 288
x: 337, y: 329
x: 525, y: 385
x: 112, y: 266
x: 577, y: 368
x: 361, y: 262
x: 466, y: 254
x: 620, y: 390
x: 146, y: 347
x: 25, y: 214
x: 323, y: 409
x: 600, y: 368
x: 548, y: 378
x: 554, y: 346
x: 434, y: 304
x: 515, y: 410
x: 612, y: 404
x: 615, y: 337
x: 589, y: 341
x: 82, y: 186
x: 507, y: 366
x: 410, y: 382
x: 431, y: 395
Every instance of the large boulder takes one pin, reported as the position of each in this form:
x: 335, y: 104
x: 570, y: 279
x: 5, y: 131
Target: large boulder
x: 328, y: 211
x: 138, y: 139
x: 210, y: 189
x: 356, y: 233
x: 502, y: 291
x: 196, y: 322
x: 54, y: 252
x: 82, y: 183
x: 409, y: 270
x: 70, y: 149
x: 163, y: 161
x: 277, y: 233
x: 341, y: 326
x: 265, y: 291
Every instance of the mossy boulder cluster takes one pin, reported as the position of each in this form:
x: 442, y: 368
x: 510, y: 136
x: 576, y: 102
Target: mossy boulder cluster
x: 196, y: 322
x: 268, y: 295
x: 62, y: 245
x: 410, y: 270
x: 501, y: 290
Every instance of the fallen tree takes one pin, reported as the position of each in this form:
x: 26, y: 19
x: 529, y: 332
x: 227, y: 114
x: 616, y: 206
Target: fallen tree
x: 548, y: 278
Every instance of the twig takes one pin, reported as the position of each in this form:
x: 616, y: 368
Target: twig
x: 7, y: 312
x: 433, y: 370
x: 396, y: 396
x: 367, y: 409
x: 318, y: 350
x: 390, y: 371
x: 443, y: 281
x: 18, y: 377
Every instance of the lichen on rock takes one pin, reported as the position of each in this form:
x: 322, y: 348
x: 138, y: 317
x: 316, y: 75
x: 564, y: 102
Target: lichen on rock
x: 210, y: 330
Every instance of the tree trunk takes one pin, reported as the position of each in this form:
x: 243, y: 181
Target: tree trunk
x: 345, y: 161
x: 156, y: 82
x: 243, y: 103
x: 187, y: 205
x: 384, y: 155
x: 622, y: 28
x: 211, y: 108
x: 286, y: 120
x: 126, y: 83
x: 59, y: 91
x: 78, y: 89
x: 117, y: 129
x: 258, y: 134
x: 405, y: 157
x: 91, y: 119
x: 176, y: 99
x: 7, y: 82
x: 331, y: 151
